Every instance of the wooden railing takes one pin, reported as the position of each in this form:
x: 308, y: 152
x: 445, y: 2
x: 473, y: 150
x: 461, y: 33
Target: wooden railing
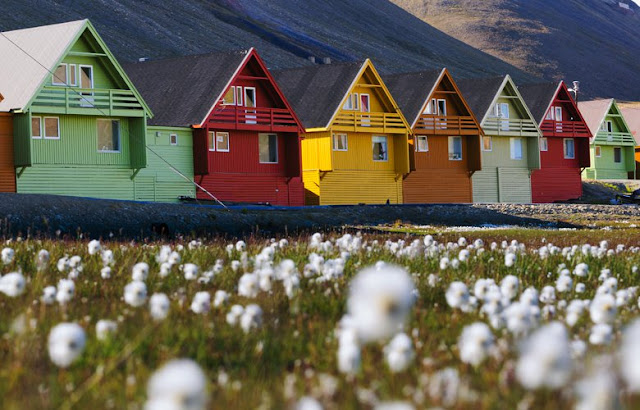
x: 615, y: 138
x: 87, y: 101
x: 564, y: 128
x: 258, y: 118
x: 510, y: 127
x: 446, y: 125
x: 369, y: 122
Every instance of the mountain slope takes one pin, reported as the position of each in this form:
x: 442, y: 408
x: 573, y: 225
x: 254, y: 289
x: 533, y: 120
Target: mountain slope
x: 285, y: 32
x: 594, y: 41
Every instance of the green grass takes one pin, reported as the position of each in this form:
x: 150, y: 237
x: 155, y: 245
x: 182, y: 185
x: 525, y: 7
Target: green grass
x: 296, y: 342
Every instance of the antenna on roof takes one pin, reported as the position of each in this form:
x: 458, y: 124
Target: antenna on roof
x: 575, y: 89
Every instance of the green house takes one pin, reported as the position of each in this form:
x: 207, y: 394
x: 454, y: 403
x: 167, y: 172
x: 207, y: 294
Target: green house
x: 510, y: 147
x: 613, y: 146
x: 79, y: 124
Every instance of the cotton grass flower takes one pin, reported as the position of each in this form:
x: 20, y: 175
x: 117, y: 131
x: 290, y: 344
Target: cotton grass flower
x: 94, y: 247
x: 399, y: 353
x: 248, y: 285
x: 234, y: 314
x: 66, y: 291
x: 66, y: 343
x: 48, y: 295
x: 12, y: 284
x: 251, y: 318
x: 135, y: 293
x: 7, y: 255
x: 601, y: 334
x: 190, y: 271
x: 159, y: 306
x: 457, y: 295
x: 509, y: 286
x: 140, y: 271
x: 628, y: 357
x: 105, y: 328
x: 545, y: 358
x: 105, y: 273
x: 474, y: 343
x: 220, y: 298
x: 348, y: 355
x: 379, y: 301
x: 603, y: 309
x: 179, y: 384
x: 201, y: 303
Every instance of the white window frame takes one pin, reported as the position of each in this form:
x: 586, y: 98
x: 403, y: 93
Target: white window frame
x: 80, y: 67
x: 171, y: 138
x: 614, y: 155
x: 426, y: 143
x: 606, y: 126
x: 233, y: 91
x: 44, y: 128
x: 431, y: 108
x: 72, y: 68
x: 54, y: 81
x: 597, y: 151
x: 211, y: 146
x: 41, y: 130
x: 490, y: 143
x: 512, y: 142
x: 277, y: 156
x: 352, y: 102
x: 550, y: 114
x: 335, y: 138
x: 564, y: 148
x: 386, y: 143
x: 119, y: 136
x: 239, y: 98
x: 223, y: 134
x: 444, y: 105
x: 451, y: 144
x: 544, y: 144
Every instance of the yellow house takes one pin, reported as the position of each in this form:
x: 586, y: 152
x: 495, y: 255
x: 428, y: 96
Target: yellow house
x: 355, y: 146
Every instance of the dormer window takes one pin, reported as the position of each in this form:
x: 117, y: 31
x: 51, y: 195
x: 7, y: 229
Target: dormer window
x: 60, y: 75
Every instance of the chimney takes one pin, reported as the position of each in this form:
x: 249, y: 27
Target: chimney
x: 312, y: 59
x: 326, y: 60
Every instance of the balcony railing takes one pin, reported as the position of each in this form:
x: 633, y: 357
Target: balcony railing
x: 614, y: 138
x: 369, y: 122
x: 510, y: 127
x: 446, y: 125
x: 258, y: 118
x: 87, y: 101
x: 564, y: 128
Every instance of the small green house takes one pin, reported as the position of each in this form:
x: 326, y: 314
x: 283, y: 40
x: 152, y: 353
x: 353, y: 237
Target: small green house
x: 510, y: 147
x: 613, y: 146
x: 79, y: 124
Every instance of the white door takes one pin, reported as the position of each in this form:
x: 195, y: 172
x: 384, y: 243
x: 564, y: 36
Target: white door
x: 558, y: 119
x: 86, y: 83
x: 365, y: 107
x: 250, y: 102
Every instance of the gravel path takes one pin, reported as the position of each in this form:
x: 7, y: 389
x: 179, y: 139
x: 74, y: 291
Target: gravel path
x: 49, y: 215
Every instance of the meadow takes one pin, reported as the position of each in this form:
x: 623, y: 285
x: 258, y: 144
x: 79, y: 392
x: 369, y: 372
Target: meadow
x: 312, y: 321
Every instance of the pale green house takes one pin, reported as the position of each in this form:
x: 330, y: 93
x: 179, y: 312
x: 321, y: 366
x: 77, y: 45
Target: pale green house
x: 613, y: 146
x: 510, y: 147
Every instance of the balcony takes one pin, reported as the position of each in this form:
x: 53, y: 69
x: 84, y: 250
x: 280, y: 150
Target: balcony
x: 614, y: 138
x: 510, y: 127
x: 87, y: 101
x: 564, y: 129
x: 355, y: 121
x: 253, y: 119
x: 446, y: 125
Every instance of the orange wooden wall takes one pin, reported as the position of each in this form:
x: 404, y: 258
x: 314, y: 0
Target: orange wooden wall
x: 7, y: 170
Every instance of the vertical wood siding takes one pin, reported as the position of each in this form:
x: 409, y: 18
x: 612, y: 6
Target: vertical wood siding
x: 485, y: 185
x: 437, y: 186
x: 555, y: 184
x: 22, y: 146
x: 256, y: 188
x: 316, y: 151
x: 497, y: 184
x: 344, y: 187
x: 604, y: 167
x: 7, y: 170
x: 244, y: 155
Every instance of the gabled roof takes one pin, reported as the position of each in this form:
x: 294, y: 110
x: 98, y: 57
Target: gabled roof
x: 539, y: 97
x: 411, y: 90
x: 28, y: 57
x: 316, y: 92
x: 182, y: 91
x: 480, y: 93
x: 631, y: 113
x: 594, y: 112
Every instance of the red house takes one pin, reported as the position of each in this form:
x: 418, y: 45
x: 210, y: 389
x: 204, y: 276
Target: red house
x: 564, y: 146
x: 246, y: 137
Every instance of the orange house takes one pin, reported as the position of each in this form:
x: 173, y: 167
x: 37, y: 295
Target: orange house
x: 444, y: 147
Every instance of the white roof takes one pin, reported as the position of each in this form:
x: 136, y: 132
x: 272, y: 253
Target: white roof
x: 28, y: 56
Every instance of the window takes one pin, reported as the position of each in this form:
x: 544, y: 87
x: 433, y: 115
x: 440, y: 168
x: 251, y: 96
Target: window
x: 339, y: 142
x: 250, y: 102
x: 432, y: 107
x: 352, y: 102
x: 51, y: 128
x: 487, y: 144
x: 239, y: 96
x: 268, y: 147
x: 606, y: 126
x: 212, y: 141
x: 598, y: 151
x: 455, y: 148
x: 549, y: 115
x: 173, y: 139
x: 36, y: 127
x: 86, y: 76
x: 230, y: 96
x: 569, y: 148
x: 502, y: 111
x: 544, y: 144
x: 442, y: 107
x: 108, y: 135
x: 422, y: 143
x: 72, y: 75
x: 380, y: 148
x: 516, y: 148
x: 617, y: 155
x: 222, y: 141
x: 60, y: 75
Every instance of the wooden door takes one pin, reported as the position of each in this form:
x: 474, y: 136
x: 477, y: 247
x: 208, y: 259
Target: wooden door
x: 7, y: 170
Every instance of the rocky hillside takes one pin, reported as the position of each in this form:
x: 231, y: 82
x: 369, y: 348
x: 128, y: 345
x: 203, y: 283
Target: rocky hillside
x: 286, y: 32
x: 594, y: 41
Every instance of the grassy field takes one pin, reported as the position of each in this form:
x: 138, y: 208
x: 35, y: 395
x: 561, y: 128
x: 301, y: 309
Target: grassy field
x: 293, y: 353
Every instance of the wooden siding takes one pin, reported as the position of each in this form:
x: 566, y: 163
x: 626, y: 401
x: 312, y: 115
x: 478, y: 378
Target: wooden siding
x: 316, y: 151
x: 158, y: 181
x: 604, y: 167
x: 22, y: 145
x: 7, y: 170
x: 257, y: 188
x: 311, y: 180
x: 345, y: 187
x: 485, y: 185
x: 556, y: 184
x: 359, y: 154
x: 497, y: 184
x: 437, y: 186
